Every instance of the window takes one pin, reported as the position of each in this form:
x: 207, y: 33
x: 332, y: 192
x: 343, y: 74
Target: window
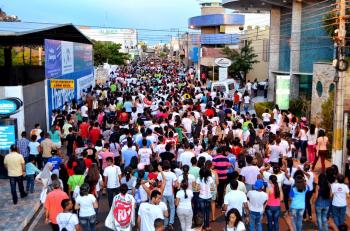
x: 331, y: 88
x: 319, y: 89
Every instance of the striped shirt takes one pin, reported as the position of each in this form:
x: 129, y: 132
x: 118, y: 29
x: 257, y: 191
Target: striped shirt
x: 221, y: 164
x: 22, y: 145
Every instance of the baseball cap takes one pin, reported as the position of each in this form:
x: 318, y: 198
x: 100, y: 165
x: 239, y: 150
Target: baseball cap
x: 258, y: 184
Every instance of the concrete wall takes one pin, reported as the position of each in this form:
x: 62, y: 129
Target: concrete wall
x: 260, y: 42
x: 34, y: 105
x: 323, y: 73
x: 212, y: 10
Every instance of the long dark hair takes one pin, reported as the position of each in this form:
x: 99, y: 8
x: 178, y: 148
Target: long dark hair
x: 300, y: 183
x: 184, y: 186
x: 93, y: 175
x: 185, y: 170
x: 237, y: 214
x: 323, y: 186
x: 276, y: 188
x: 127, y: 173
x: 312, y: 129
x: 204, y: 174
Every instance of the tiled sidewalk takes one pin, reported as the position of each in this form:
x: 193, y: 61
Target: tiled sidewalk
x: 16, y: 217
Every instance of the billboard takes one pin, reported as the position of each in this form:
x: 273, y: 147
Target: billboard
x: 282, y: 91
x: 69, y: 71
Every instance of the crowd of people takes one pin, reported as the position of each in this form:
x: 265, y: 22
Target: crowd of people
x: 160, y: 144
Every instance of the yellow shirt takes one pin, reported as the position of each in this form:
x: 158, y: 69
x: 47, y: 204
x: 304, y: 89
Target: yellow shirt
x: 13, y: 162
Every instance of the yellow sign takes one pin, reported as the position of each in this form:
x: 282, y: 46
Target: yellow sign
x: 62, y: 84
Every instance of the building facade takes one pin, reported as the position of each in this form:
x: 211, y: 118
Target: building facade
x: 217, y: 30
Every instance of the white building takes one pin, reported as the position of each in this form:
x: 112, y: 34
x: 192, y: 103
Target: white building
x: 126, y: 37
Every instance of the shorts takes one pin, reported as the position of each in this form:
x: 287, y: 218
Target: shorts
x: 58, y: 144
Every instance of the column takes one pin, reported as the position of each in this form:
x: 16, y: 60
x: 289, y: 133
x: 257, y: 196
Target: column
x: 295, y: 48
x: 274, y: 50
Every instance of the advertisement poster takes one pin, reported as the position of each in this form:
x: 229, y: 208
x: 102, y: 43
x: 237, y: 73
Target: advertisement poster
x: 222, y: 73
x: 69, y: 70
x: 7, y: 136
x: 283, y: 91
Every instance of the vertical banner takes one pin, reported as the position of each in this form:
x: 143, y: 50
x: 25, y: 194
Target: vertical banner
x: 222, y: 73
x: 283, y: 91
x: 53, y: 58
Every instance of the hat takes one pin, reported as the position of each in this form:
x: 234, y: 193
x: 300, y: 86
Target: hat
x: 258, y: 184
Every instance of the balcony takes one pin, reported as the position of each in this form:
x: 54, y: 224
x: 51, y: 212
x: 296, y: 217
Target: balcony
x: 215, y: 20
x: 216, y: 39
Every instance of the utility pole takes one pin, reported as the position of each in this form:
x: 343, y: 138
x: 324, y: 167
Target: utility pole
x: 338, y: 123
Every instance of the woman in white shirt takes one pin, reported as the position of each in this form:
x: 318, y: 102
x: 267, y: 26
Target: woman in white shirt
x: 205, y: 185
x: 86, y: 203
x: 303, y: 140
x: 184, y: 206
x: 234, y: 221
x: 311, y: 143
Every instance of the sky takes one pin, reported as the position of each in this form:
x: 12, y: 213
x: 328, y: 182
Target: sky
x: 171, y: 15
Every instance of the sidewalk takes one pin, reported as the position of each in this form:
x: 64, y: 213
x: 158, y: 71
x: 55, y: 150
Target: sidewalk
x: 17, y: 217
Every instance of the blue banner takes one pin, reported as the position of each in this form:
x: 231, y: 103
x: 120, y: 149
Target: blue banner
x: 53, y: 58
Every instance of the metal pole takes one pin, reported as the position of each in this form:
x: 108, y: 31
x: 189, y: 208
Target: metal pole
x: 187, y: 44
x: 338, y: 123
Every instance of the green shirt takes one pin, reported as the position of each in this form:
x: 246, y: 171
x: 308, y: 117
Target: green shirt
x: 75, y: 180
x: 194, y: 170
x: 113, y: 87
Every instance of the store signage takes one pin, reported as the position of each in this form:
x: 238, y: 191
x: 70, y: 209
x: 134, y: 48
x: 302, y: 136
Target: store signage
x: 7, y: 136
x: 223, y: 62
x: 62, y: 84
x: 9, y: 106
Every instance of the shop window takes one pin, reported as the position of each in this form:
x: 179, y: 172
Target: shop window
x: 319, y: 89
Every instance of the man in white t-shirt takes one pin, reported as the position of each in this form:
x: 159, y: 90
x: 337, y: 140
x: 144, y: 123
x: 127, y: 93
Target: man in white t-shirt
x: 187, y: 123
x: 186, y: 156
x: 257, y: 200
x: 266, y: 116
x: 168, y: 194
x: 248, y: 87
x: 145, y: 153
x: 84, y: 110
x: 236, y: 199
x: 67, y: 219
x: 250, y: 173
x: 149, y: 212
x: 340, y: 193
x: 112, y: 175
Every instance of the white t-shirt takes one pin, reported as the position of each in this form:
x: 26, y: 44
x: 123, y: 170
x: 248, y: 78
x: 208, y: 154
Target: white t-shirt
x: 250, y: 174
x: 256, y: 200
x: 185, y: 203
x: 99, y: 183
x: 240, y: 227
x: 145, y: 155
x: 235, y: 199
x: 266, y: 117
x: 247, y: 99
x: 86, y: 205
x: 33, y: 148
x: 339, y: 194
x: 186, y: 157
x: 206, y: 156
x: 187, y: 123
x: 190, y: 179
x: 149, y: 213
x: 84, y: 110
x: 276, y: 151
x: 170, y: 179
x: 67, y: 220
x: 249, y: 86
x: 204, y: 188
x: 112, y: 172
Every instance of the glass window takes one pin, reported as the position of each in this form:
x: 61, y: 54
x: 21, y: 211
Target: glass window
x: 331, y: 88
x: 319, y: 89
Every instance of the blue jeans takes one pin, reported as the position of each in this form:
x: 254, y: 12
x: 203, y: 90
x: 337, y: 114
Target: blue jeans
x: 321, y: 214
x: 169, y: 200
x: 195, y: 203
x: 297, y: 218
x: 273, y: 215
x: 88, y: 223
x: 255, y: 221
x: 13, y: 181
x: 30, y: 183
x: 338, y: 214
x: 205, y: 207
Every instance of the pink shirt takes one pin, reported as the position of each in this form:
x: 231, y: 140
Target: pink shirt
x: 104, y: 156
x: 272, y: 201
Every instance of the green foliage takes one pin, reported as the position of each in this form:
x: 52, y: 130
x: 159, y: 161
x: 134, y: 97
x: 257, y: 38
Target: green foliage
x: 242, y: 61
x: 301, y: 106
x: 2, y: 56
x: 262, y: 106
x: 327, y: 112
x: 331, y: 23
x: 108, y: 52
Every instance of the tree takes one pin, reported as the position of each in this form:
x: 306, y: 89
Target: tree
x: 108, y: 52
x: 242, y: 61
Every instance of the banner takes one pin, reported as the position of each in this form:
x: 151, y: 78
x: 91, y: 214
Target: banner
x: 223, y: 73
x: 62, y: 84
x: 282, y: 91
x: 53, y: 58
x: 84, y: 83
x: 67, y: 57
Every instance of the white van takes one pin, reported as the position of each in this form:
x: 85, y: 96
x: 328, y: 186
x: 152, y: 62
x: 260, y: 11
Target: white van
x: 228, y: 87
